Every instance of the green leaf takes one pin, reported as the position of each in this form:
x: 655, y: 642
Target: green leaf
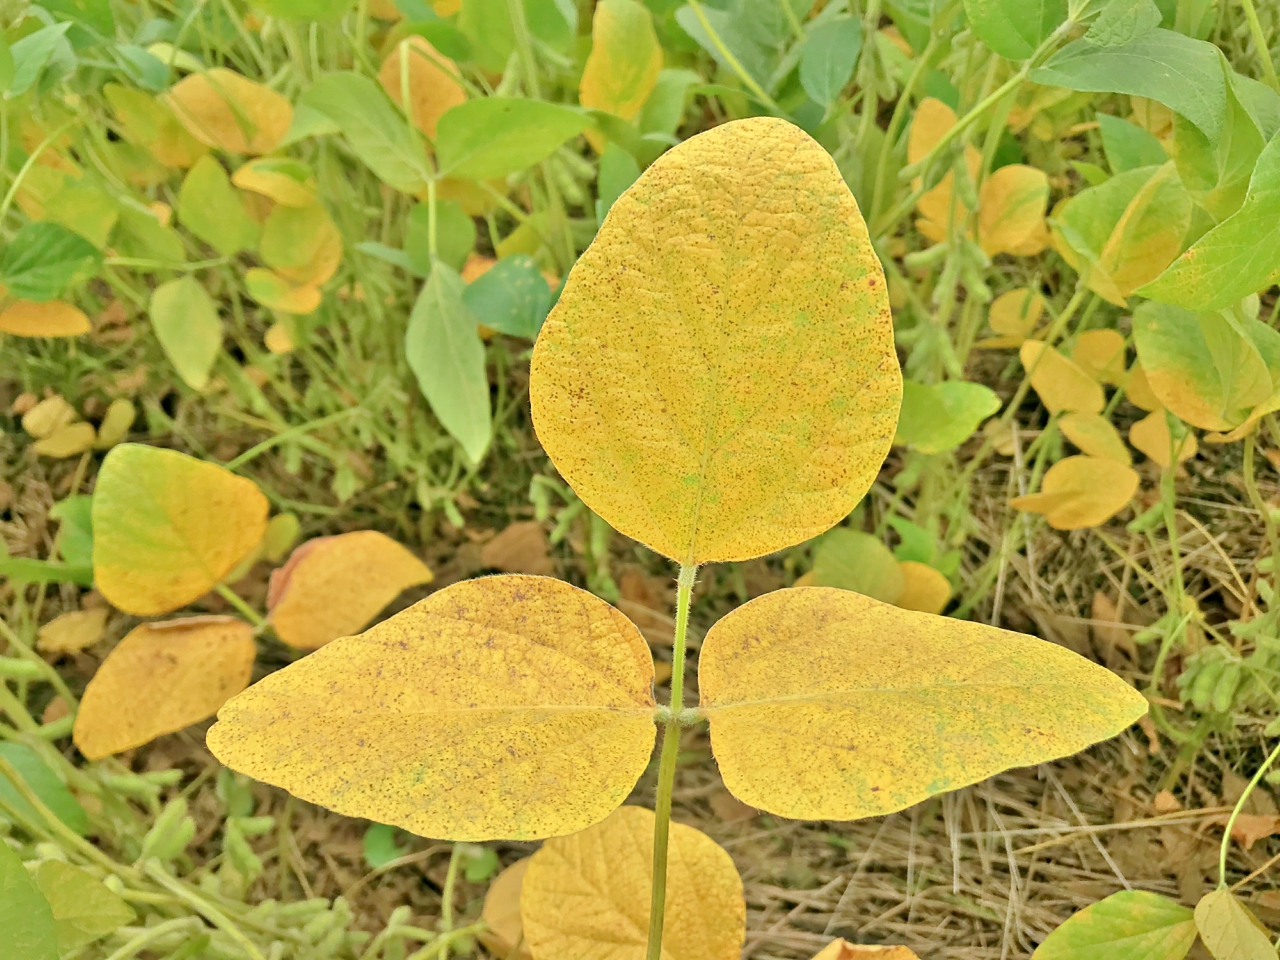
x: 211, y: 208
x: 941, y: 416
x: 25, y: 570
x: 857, y: 561
x: 1128, y: 146
x: 1229, y: 929
x: 6, y: 65
x: 1238, y: 257
x: 455, y: 236
x: 327, y: 10
x: 139, y: 234
x: 32, y: 54
x: 186, y: 323
x: 1129, y: 925
x: 495, y: 136
x: 618, y: 170
x: 1123, y: 21
x: 43, y: 258
x: 75, y: 529
x: 1015, y: 28
x: 444, y: 350
x: 1261, y: 102
x: 380, y: 846
x: 487, y: 26
x: 25, y: 915
x: 729, y: 30
x: 373, y: 127
x: 829, y: 56
x: 94, y: 14
x: 664, y: 110
x: 84, y: 910
x: 1182, y: 73
x: 512, y: 297
x: 45, y: 784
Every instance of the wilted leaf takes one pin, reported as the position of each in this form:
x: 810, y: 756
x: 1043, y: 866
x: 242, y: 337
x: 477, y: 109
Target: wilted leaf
x: 815, y: 716
x: 857, y: 561
x: 1129, y: 925
x: 1080, y: 492
x: 212, y: 209
x: 745, y: 397
x: 923, y: 588
x: 1094, y: 435
x: 504, y: 936
x: 1229, y: 929
x: 432, y: 80
x: 1100, y: 353
x: 45, y: 784
x: 230, y: 112
x: 496, y: 136
x: 276, y: 293
x: 521, y: 547
x: 186, y: 323
x: 941, y: 416
x: 588, y: 894
x: 1059, y: 382
x: 286, y: 181
x: 161, y: 678
x: 167, y: 527
x: 333, y: 586
x: 84, y: 910
x: 25, y: 915
x: 1011, y: 207
x: 1151, y: 435
x: 1014, y: 314
x: 624, y: 62
x: 72, y: 632
x: 301, y: 244
x: 53, y: 318
x: 505, y: 707
x: 67, y: 441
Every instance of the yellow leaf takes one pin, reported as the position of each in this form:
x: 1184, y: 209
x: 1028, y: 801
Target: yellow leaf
x: 1100, y: 353
x: 277, y: 339
x: 276, y: 293
x: 504, y: 933
x: 1011, y: 207
x: 1081, y: 492
x: 1094, y: 435
x: 624, y: 62
x: 333, y: 586
x: 285, y: 181
x: 932, y: 120
x: 827, y: 705
x: 72, y: 632
x: 116, y: 423
x: 587, y: 895
x: 843, y: 950
x: 167, y: 527
x: 1014, y: 314
x: 718, y: 379
x: 161, y: 678
x: 432, y: 80
x: 923, y: 588
x: 506, y: 707
x: 1059, y: 382
x: 230, y: 112
x: 302, y: 244
x: 48, y: 416
x: 1229, y: 929
x: 25, y: 318
x: 67, y: 441
x: 1138, y: 390
x: 1151, y: 436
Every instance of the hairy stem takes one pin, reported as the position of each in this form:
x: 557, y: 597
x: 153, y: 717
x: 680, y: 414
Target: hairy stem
x: 667, y: 766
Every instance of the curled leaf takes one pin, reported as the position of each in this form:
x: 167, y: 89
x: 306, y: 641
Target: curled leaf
x: 1080, y: 492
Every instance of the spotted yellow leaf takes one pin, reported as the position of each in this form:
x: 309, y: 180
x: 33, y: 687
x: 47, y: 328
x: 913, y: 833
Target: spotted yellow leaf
x: 1059, y: 382
x: 54, y: 318
x: 718, y: 379
x: 587, y: 895
x: 227, y: 111
x: 1152, y: 436
x: 161, y: 678
x: 827, y: 705
x: 1080, y: 492
x: 431, y: 78
x: 1094, y: 435
x: 1011, y: 207
x: 332, y: 586
x: 168, y: 527
x: 506, y: 707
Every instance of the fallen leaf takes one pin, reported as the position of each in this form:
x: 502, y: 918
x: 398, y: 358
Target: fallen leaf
x: 504, y: 933
x: 230, y: 112
x: 1104, y: 612
x: 923, y: 588
x: 1151, y: 436
x: 1079, y: 492
x: 54, y: 318
x: 161, y: 678
x: 333, y: 586
x: 1094, y: 435
x: 1059, y: 382
x: 648, y: 602
x: 1230, y: 930
x: 1249, y: 828
x: 588, y: 894
x: 506, y: 707
x: 1166, y: 802
x: 72, y: 632
x: 521, y: 547
x: 431, y: 77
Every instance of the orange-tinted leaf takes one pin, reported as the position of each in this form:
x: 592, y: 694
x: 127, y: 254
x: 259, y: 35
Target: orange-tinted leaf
x: 432, y: 81
x: 54, y: 318
x: 1059, y: 382
x: 227, y: 111
x: 1151, y: 435
x: 1081, y: 492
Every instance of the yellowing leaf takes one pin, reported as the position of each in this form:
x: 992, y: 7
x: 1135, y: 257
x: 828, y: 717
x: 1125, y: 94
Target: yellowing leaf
x: 857, y: 561
x: 624, y: 62
x: 1151, y: 435
x: 432, y: 81
x: 1138, y: 390
x: 1081, y: 492
x: 48, y: 416
x: 587, y: 895
x: 67, y: 441
x: 1014, y: 314
x: 932, y: 120
x: 513, y: 707
x: 277, y: 339
x: 160, y: 678
x: 1059, y: 382
x: 718, y: 378
x: 115, y: 423
x: 1094, y: 435
x: 1011, y: 207
x: 843, y: 950
x: 72, y: 631
x: 923, y: 588
x: 153, y: 126
x: 53, y: 318
x: 504, y: 933
x: 167, y: 527
x: 276, y: 293
x: 333, y: 586
x: 1129, y: 925
x: 827, y: 705
x: 230, y: 112
x: 286, y: 181
x: 302, y: 244
x: 1100, y: 353
x: 1230, y: 930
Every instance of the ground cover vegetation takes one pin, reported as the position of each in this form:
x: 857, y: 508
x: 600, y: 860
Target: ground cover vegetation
x: 793, y: 354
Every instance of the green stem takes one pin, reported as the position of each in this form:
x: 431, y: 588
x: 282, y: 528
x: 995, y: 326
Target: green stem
x: 667, y: 764
x: 1260, y: 41
x: 156, y: 872
x: 734, y: 63
x: 1231, y: 821
x: 446, y: 895
x: 236, y: 601
x: 524, y: 45
x: 158, y: 932
x: 432, y: 242
x: 290, y: 434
